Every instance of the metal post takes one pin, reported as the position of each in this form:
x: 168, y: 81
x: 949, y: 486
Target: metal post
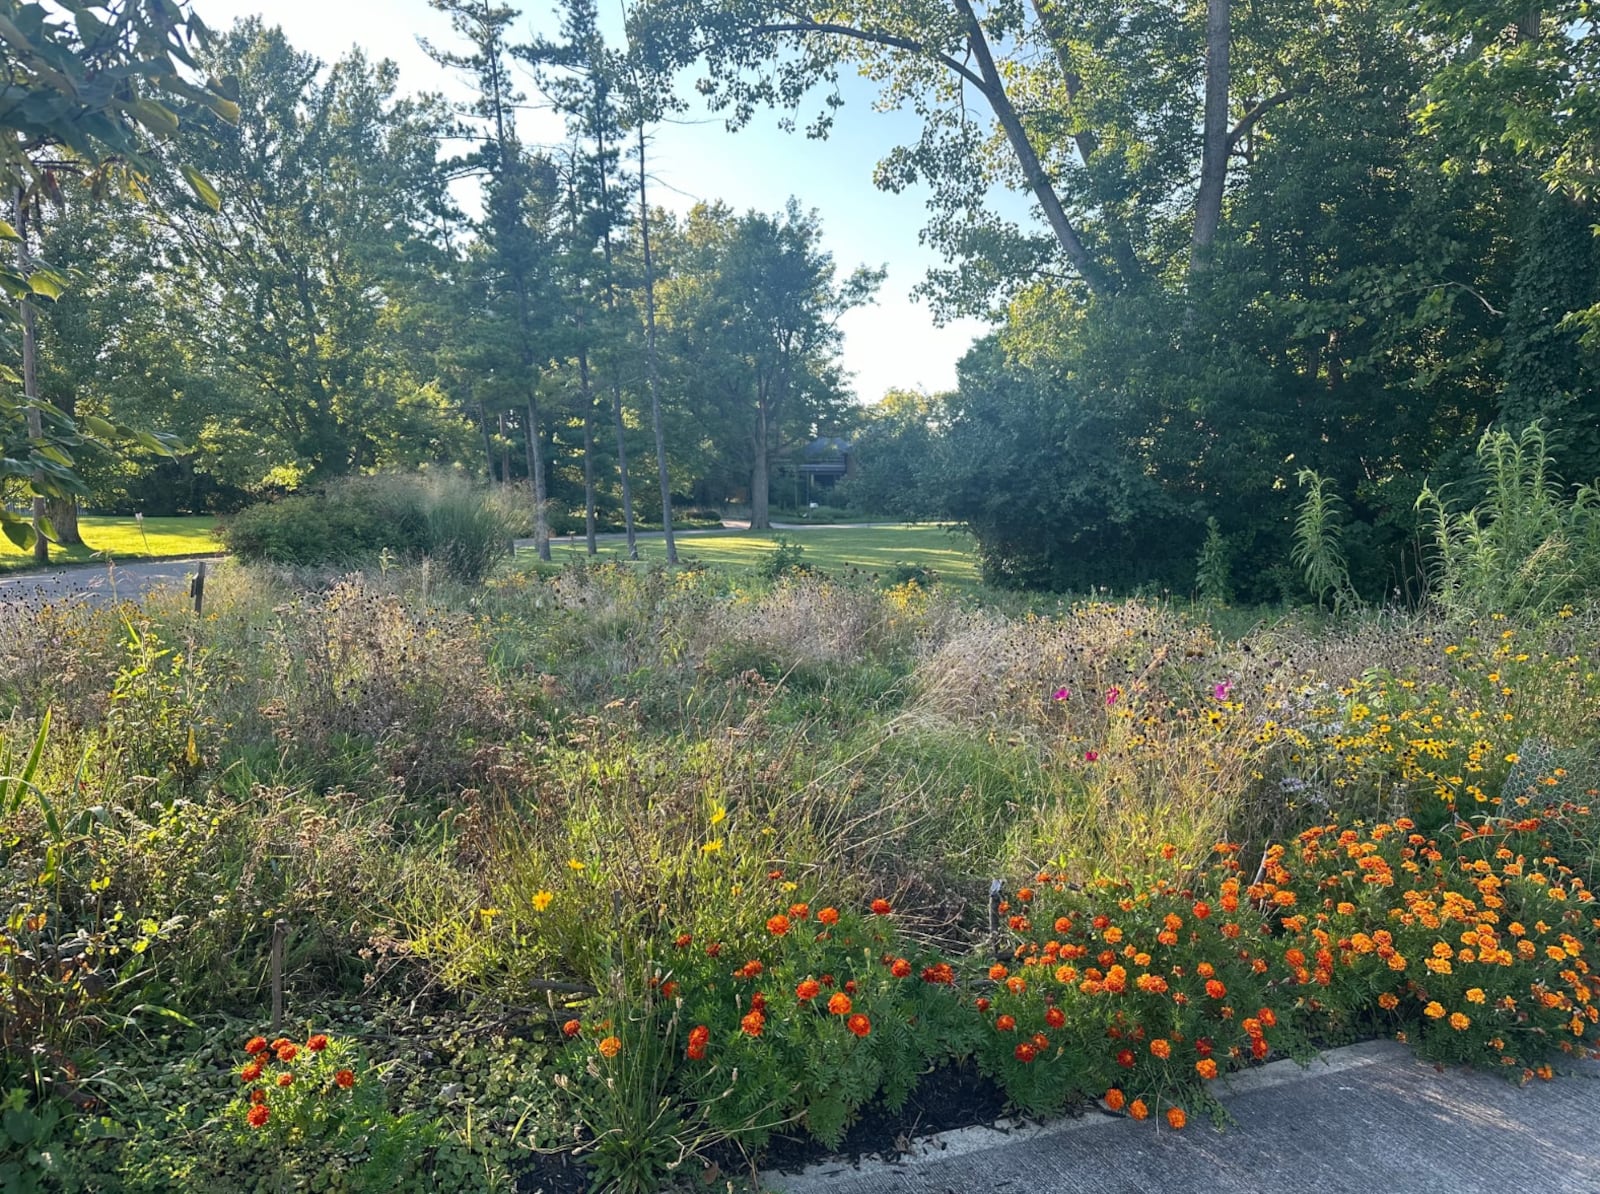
x: 197, y: 588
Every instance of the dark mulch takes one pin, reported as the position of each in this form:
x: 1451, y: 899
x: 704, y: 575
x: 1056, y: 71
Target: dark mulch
x: 553, y: 1173
x: 955, y: 1096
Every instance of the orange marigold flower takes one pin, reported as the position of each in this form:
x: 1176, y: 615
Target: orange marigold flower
x: 1205, y: 970
x: 1161, y: 1048
x: 610, y: 1046
x: 256, y: 1044
x: 258, y: 1116
x: 799, y: 911
x: 808, y: 989
x: 981, y: 1004
x: 682, y: 941
x: 828, y: 916
x: 859, y: 1024
x: 1115, y: 1099
x: 1202, y: 910
x: 941, y: 973
x: 1025, y: 1052
x: 251, y: 1072
x: 839, y: 1003
x: 998, y: 971
x: 1434, y: 1010
x: 1055, y: 1017
x: 317, y: 1043
x: 778, y: 925
x: 257, y: 1096
x: 1460, y: 1021
x: 286, y: 1079
x: 1016, y: 984
x: 1388, y: 1001
x: 751, y: 1023
x: 1063, y: 924
x: 571, y: 1028
x: 1251, y: 1025
x: 1475, y: 995
x: 1176, y: 1119
x: 1066, y: 974
x: 287, y: 1052
x: 344, y: 1079
x: 1125, y: 1058
x: 279, y: 1043
x: 1138, y: 1110
x: 1005, y: 1023
x: 1206, y: 1068
x: 1215, y: 989
x: 881, y: 908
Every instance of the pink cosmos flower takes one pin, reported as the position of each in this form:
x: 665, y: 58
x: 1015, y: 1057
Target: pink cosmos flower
x: 1112, y: 694
x: 1061, y: 694
x: 1091, y: 756
x: 1221, y: 691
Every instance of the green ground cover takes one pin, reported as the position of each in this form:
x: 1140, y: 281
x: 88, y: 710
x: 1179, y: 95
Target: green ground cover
x: 120, y: 538
x: 872, y: 550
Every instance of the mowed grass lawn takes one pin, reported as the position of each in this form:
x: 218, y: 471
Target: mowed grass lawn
x: 106, y: 535
x: 948, y: 552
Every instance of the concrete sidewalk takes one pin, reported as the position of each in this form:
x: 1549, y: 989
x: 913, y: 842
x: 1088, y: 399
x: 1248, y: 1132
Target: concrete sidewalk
x: 1372, y: 1119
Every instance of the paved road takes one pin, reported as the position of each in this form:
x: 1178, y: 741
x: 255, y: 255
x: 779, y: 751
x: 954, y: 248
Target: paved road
x: 1372, y: 1121
x: 101, y: 583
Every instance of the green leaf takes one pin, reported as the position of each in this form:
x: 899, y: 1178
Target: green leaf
x: 7, y: 232
x: 52, y: 284
x: 99, y: 427
x: 202, y: 188
x: 18, y: 531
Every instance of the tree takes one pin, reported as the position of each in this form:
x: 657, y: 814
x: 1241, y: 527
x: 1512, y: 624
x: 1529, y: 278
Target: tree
x: 755, y: 307
x: 298, y: 292
x: 514, y: 250
x: 87, y: 81
x: 1104, y: 113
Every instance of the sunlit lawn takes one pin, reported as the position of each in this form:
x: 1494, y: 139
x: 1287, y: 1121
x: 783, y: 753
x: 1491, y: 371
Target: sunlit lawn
x: 870, y: 549
x: 120, y: 538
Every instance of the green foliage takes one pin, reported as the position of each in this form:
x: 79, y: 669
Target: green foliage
x: 463, y: 530
x: 1319, y: 542
x: 1213, y: 567
x: 1528, y: 546
x: 786, y: 559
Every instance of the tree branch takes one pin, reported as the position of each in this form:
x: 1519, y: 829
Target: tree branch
x: 1248, y: 120
x: 891, y: 40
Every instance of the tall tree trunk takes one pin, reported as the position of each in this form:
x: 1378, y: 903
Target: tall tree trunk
x: 760, y: 490
x: 541, y: 519
x: 1215, y: 142
x: 30, y: 383
x: 652, y: 364
x: 63, y: 511
x: 622, y: 467
x: 588, y: 450
x: 505, y: 451
x: 488, y: 447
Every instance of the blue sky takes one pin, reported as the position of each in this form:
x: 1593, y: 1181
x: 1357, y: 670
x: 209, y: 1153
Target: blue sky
x: 891, y: 344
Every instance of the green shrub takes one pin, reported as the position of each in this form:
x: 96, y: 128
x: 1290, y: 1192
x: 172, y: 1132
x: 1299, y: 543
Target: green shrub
x: 464, y: 530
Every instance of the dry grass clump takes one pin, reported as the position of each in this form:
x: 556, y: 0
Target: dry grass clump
x: 1008, y: 671
x: 807, y: 621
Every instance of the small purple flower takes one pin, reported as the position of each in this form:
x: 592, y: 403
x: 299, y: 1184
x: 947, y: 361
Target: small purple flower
x: 1112, y: 695
x: 1061, y: 694
x: 1221, y: 691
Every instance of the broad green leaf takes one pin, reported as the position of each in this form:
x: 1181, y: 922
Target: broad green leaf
x: 202, y: 188
x: 18, y: 531
x: 97, y: 426
x: 52, y: 284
